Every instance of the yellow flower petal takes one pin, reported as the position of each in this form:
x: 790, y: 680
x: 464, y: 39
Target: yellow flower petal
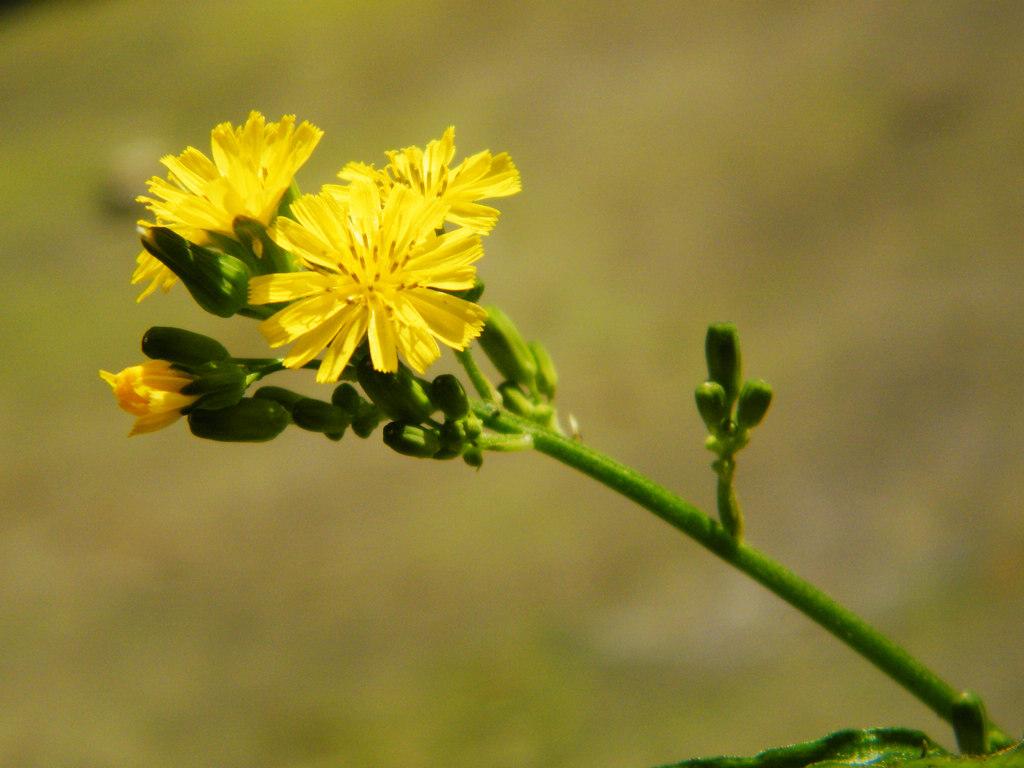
x: 252, y: 168
x: 150, y: 391
x: 381, y: 268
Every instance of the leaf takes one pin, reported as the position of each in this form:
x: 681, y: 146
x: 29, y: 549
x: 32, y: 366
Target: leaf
x: 879, y: 747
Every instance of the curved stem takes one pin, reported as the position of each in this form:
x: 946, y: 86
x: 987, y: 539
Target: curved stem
x: 890, y: 658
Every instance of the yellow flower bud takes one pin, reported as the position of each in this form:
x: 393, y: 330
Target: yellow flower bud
x: 152, y: 393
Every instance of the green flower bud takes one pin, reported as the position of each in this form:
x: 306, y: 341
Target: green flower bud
x: 285, y: 397
x: 348, y: 399
x: 473, y: 457
x: 218, y: 383
x: 448, y: 395
x: 711, y: 405
x: 250, y: 420
x: 472, y: 426
x: 514, y: 399
x: 319, y: 416
x: 547, y: 377
x: 411, y: 440
x: 722, y: 349
x: 506, y: 349
x: 970, y: 724
x: 453, y: 436
x: 755, y: 397
x: 365, y: 422
x: 218, y: 282
x: 364, y: 416
x: 180, y: 346
x: 399, y: 395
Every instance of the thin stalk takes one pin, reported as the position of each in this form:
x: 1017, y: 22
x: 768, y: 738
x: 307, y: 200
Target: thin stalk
x: 890, y: 658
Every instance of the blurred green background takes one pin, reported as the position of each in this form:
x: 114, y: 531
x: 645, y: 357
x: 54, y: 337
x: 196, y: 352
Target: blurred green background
x: 843, y: 180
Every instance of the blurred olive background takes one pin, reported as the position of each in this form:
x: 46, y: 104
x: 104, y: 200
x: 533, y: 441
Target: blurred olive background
x: 843, y: 180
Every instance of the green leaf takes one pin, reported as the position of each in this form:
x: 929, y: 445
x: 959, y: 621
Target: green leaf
x: 877, y: 747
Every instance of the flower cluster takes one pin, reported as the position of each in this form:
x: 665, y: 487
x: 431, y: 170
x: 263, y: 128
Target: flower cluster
x: 369, y: 275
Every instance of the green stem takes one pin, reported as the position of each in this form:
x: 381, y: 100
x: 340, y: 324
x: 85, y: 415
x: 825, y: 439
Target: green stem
x: 890, y: 658
x: 728, y: 507
x: 480, y: 382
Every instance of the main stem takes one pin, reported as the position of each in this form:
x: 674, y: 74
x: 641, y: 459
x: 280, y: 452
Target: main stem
x: 809, y: 600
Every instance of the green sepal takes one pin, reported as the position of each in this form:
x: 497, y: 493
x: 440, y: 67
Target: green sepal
x: 400, y: 395
x: 547, y: 376
x: 180, y: 346
x: 218, y: 282
x: 272, y: 258
x: 754, y: 399
x: 285, y: 397
x: 411, y: 440
x: 250, y: 420
x: 218, y: 383
x: 241, y: 251
x: 284, y: 208
x: 506, y: 349
x: 722, y: 350
x: 470, y: 294
x: 712, y: 405
x: 449, y: 396
x: 319, y: 416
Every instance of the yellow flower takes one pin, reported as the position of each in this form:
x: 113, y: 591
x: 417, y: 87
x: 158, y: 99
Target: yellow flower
x: 152, y: 392
x: 429, y: 173
x: 377, y: 271
x: 251, y: 170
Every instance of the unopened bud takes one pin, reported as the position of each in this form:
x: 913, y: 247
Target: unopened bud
x: 217, y: 281
x: 449, y: 396
x: 722, y: 349
x: 347, y: 398
x: 365, y: 422
x: 547, y: 376
x: 285, y: 397
x: 319, y: 416
x: 181, y: 346
x: 250, y: 420
x: 411, y: 440
x: 400, y: 395
x: 970, y: 724
x: 506, y: 349
x: 453, y: 436
x: 755, y: 397
x: 711, y: 405
x: 364, y: 416
x: 473, y: 457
